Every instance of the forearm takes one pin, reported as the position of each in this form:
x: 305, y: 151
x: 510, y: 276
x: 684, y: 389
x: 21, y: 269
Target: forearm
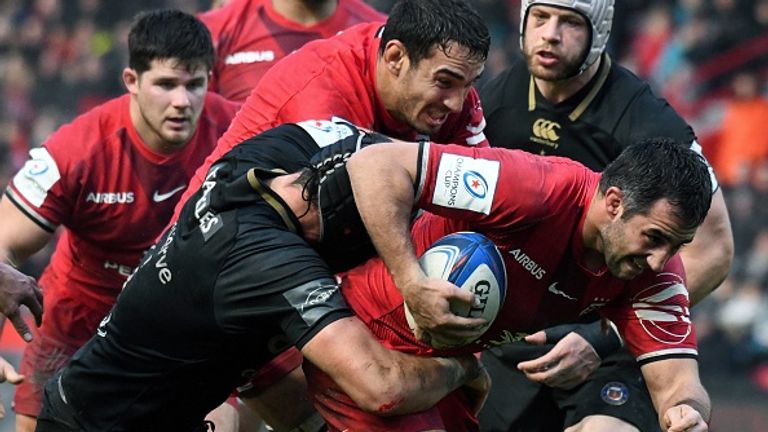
x: 428, y: 380
x: 673, y: 383
x: 708, y: 258
x: 381, y: 380
x: 384, y: 193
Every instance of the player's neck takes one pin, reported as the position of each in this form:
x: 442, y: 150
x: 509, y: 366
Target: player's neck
x: 558, y: 91
x: 306, y: 12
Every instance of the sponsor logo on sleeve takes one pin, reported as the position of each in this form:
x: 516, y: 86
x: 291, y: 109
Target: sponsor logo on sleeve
x: 37, y: 176
x: 466, y: 183
x: 325, y: 132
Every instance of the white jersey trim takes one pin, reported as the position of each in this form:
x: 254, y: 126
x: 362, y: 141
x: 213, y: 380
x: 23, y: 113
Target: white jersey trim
x: 667, y: 352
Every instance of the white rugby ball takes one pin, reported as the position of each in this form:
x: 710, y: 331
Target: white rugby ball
x: 472, y: 262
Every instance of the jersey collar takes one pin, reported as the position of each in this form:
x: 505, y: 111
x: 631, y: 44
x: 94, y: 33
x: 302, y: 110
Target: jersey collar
x: 592, y: 89
x: 269, y: 196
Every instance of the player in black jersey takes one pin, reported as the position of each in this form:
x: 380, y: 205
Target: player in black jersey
x: 567, y: 98
x: 230, y: 285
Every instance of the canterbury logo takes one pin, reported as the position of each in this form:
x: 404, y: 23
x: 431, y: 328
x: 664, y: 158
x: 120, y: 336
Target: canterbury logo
x: 546, y: 129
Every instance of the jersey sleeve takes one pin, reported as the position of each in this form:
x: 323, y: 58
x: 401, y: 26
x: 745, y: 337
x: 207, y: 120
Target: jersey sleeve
x: 44, y: 188
x: 467, y: 128
x: 295, y: 288
x: 493, y: 188
x: 654, y: 318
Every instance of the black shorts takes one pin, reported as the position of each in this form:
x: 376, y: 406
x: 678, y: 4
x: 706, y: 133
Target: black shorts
x: 616, y: 389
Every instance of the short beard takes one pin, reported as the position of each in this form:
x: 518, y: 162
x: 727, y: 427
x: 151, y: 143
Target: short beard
x: 568, y: 71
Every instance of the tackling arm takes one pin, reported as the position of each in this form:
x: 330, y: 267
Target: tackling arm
x: 677, y: 393
x: 707, y: 260
x: 383, y: 381
x: 19, y: 238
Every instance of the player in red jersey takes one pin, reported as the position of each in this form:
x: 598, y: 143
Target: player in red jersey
x: 574, y: 241
x: 111, y: 178
x: 250, y: 36
x: 410, y: 78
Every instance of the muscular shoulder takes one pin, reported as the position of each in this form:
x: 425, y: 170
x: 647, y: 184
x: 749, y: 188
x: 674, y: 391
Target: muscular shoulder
x: 639, y: 113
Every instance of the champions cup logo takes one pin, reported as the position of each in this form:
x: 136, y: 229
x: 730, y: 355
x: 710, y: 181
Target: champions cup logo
x: 475, y: 184
x: 546, y: 129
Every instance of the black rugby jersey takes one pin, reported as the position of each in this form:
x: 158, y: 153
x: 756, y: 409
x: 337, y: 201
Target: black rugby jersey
x: 593, y: 126
x: 227, y: 288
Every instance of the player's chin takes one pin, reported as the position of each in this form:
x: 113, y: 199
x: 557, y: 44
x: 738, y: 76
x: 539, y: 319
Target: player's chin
x: 177, y: 137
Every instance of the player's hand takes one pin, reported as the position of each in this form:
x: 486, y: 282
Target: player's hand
x: 683, y: 418
x: 569, y: 363
x: 478, y: 389
x: 8, y: 373
x: 18, y: 289
x: 429, y: 302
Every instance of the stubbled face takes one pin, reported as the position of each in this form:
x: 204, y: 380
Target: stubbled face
x: 426, y: 93
x: 643, y: 242
x: 555, y: 43
x: 168, y: 100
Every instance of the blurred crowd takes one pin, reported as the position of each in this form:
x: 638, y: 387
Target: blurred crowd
x: 709, y: 58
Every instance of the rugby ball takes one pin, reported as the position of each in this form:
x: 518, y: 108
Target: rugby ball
x: 471, y: 262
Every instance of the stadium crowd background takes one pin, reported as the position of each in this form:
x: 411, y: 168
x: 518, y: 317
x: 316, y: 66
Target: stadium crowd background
x: 709, y: 58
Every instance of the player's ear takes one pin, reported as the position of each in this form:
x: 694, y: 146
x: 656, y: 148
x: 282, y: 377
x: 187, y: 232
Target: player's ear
x: 614, y: 199
x: 131, y: 80
x: 395, y: 56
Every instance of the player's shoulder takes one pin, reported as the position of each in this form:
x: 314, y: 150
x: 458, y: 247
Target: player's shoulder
x: 218, y: 106
x: 93, y: 129
x: 641, y: 111
x: 361, y: 11
x: 221, y: 18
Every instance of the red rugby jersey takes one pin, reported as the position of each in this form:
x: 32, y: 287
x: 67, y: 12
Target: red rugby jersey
x: 250, y: 36
x: 112, y: 194
x: 334, y: 77
x: 533, y: 209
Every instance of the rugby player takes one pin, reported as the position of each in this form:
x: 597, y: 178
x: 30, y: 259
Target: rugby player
x: 111, y: 178
x: 567, y: 97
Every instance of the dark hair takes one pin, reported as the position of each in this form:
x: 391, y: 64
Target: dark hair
x: 169, y: 34
x: 660, y: 168
x: 422, y: 24
x: 309, y: 181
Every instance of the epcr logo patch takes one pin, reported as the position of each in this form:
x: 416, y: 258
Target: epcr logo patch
x: 475, y: 184
x: 615, y: 393
x: 36, y: 167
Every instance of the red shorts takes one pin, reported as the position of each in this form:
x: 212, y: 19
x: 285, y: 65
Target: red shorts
x: 68, y: 323
x: 452, y: 414
x: 42, y: 358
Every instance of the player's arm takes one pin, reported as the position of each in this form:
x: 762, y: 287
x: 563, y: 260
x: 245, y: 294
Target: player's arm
x: 708, y: 258
x: 677, y: 393
x: 383, y: 381
x: 20, y: 237
x: 383, y: 180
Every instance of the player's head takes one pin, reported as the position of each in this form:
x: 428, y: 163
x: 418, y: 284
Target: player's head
x: 562, y: 38
x: 170, y: 58
x: 655, y: 195
x: 430, y: 54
